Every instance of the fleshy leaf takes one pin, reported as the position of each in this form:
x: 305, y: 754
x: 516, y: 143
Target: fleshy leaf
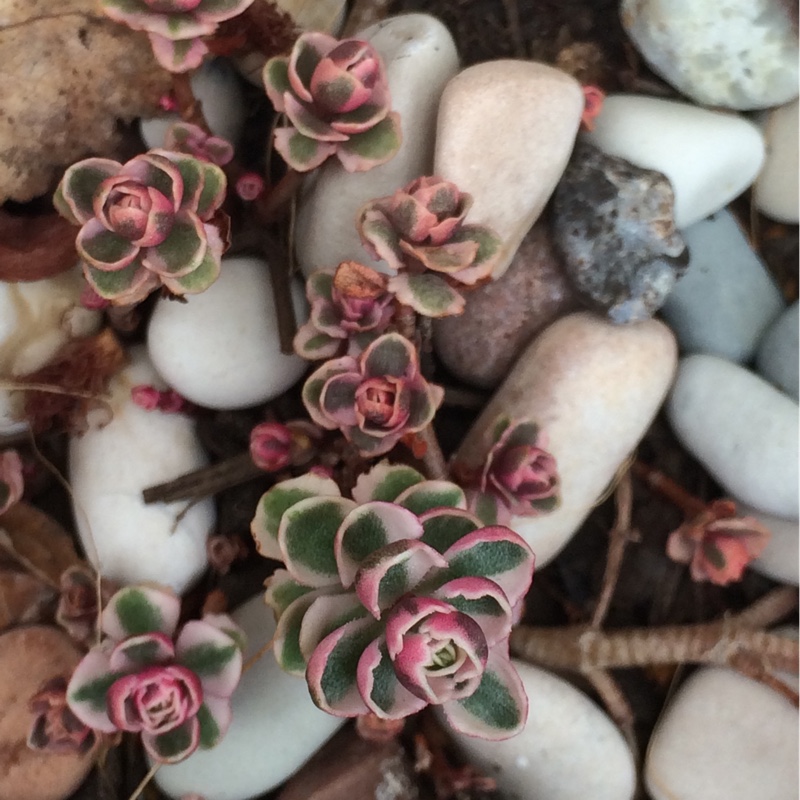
x: 286, y: 644
x: 301, y: 152
x: 212, y: 655
x: 140, y: 609
x: 104, y: 249
x: 385, y: 482
x: 199, y: 279
x: 214, y: 718
x: 443, y: 527
x: 174, y: 746
x: 276, y: 81
x: 140, y: 651
x: 432, y: 494
x: 88, y: 687
x: 324, y: 616
x: 484, y: 601
x: 384, y: 695
x: 391, y: 355
x: 282, y: 591
x: 363, y: 151
x: 313, y: 345
x: 75, y: 194
x: 315, y: 383
x: 427, y: 294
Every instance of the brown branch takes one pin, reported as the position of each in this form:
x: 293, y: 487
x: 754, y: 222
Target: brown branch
x: 668, y: 488
x: 282, y: 291
x: 433, y: 459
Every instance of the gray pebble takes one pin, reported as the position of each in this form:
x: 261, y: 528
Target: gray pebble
x: 613, y: 224
x: 777, y: 357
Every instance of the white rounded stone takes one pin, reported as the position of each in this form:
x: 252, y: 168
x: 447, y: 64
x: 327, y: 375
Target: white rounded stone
x: 776, y: 190
x: 569, y: 749
x: 781, y: 557
x: 777, y: 359
x: 37, y: 319
x: 744, y: 431
x: 110, y: 465
x: 420, y: 58
x: 710, y: 157
x: 221, y: 349
x: 724, y: 737
x: 504, y: 135
x: 217, y: 88
x: 593, y: 387
x: 735, y: 53
x: 276, y: 727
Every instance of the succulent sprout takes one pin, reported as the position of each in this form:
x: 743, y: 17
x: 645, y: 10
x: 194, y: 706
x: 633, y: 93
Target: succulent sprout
x: 166, y: 400
x: 12, y: 483
x: 174, y: 692
x: 419, y: 232
x: 593, y: 98
x: 336, y: 97
x: 146, y: 223
x: 350, y: 307
x: 374, y: 399
x: 55, y: 728
x: 717, y: 544
x: 396, y: 599
x: 275, y: 446
x: 183, y: 137
x: 175, y: 26
x: 519, y: 478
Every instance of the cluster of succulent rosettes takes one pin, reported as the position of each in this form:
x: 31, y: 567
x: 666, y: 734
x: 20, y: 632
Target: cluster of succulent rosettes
x: 717, y: 544
x: 350, y: 307
x: 374, y: 399
x: 419, y: 232
x: 336, y: 97
x: 151, y: 222
x: 12, y: 483
x: 275, y: 446
x: 175, y: 692
x: 396, y: 599
x: 175, y: 27
x: 519, y: 477
x: 184, y: 137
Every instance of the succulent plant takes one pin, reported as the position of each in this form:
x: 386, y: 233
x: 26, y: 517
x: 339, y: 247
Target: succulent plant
x: 519, y: 478
x: 374, y: 399
x: 55, y: 728
x: 396, y: 599
x: 175, y: 26
x: 336, y: 97
x: 717, y: 544
x: 184, y: 137
x: 12, y: 483
x: 140, y: 678
x: 146, y: 223
x: 275, y: 446
x: 350, y: 307
x: 419, y: 232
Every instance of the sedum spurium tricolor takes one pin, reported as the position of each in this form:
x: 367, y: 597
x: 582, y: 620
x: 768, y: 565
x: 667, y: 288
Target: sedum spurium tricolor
x: 396, y: 599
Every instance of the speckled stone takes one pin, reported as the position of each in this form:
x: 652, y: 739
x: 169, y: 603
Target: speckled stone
x: 734, y: 53
x: 613, y: 225
x: 502, y: 316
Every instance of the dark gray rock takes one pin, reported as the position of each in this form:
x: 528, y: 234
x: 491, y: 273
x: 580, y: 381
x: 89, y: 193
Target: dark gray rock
x: 613, y: 225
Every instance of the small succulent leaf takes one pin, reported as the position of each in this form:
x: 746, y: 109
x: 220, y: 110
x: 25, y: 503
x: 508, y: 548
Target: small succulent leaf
x: 214, y: 718
x: 213, y: 193
x: 191, y: 170
x: 313, y: 345
x: 182, y: 251
x: 282, y: 591
x: 104, y: 249
x: 379, y: 236
x: 175, y: 745
x: 221, y: 10
x: 140, y: 651
x: 140, y: 609
x: 332, y: 668
x: 315, y: 384
x: 279, y: 499
x: 338, y: 399
x: 286, y: 641
x: 319, y: 285
x: 501, y: 425
x: 443, y: 527
x: 424, y: 399
x: 489, y: 244
x: 276, y: 81
x: 385, y: 482
x: 488, y: 507
x: 392, y: 571
x: 498, y: 709
x: 496, y: 553
x: 309, y: 49
x: 130, y: 285
x: 199, y: 279
x: 484, y: 601
x: 225, y: 624
x: 306, y: 537
x: 383, y: 694
x: 371, y: 446
x: 75, y: 194
x: 212, y: 655
x: 427, y: 294
x: 432, y: 494
x: 324, y: 616
x: 360, y: 119
x: 301, y: 152
x: 367, y: 528
x: 363, y: 151
x: 87, y: 691
x: 391, y: 355
x: 309, y: 124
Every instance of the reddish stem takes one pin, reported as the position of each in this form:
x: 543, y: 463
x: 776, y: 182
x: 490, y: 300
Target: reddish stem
x: 669, y: 489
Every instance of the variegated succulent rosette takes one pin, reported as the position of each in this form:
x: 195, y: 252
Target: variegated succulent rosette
x: 174, y: 692
x: 396, y: 599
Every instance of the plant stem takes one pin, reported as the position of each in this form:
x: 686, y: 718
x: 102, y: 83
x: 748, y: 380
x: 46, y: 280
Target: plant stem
x: 282, y: 290
x: 434, y: 460
x: 189, y: 107
x: 668, y: 488
x: 147, y: 778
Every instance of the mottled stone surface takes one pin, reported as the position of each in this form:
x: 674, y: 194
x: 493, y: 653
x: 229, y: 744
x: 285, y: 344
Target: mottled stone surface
x: 613, y: 225
x: 502, y: 316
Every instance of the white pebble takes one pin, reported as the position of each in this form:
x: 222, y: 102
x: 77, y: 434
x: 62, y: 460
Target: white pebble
x: 777, y: 357
x: 781, y: 557
x: 776, y: 190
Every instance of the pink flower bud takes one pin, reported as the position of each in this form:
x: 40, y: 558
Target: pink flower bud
x: 145, y: 397
x: 151, y: 399
x: 250, y: 186
x: 271, y: 446
x: 593, y: 105
x: 167, y: 102
x: 11, y: 480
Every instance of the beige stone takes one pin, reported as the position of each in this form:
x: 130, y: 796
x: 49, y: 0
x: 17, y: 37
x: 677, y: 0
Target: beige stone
x: 594, y: 388
x: 776, y: 190
x: 504, y: 134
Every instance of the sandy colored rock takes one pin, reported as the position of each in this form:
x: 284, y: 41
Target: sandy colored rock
x: 29, y: 657
x: 504, y: 134
x: 502, y: 316
x: 68, y: 79
x: 776, y: 190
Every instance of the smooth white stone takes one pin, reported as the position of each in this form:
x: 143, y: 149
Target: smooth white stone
x: 744, y: 431
x: 420, y: 58
x: 710, y: 157
x: 727, y: 298
x: 221, y: 349
x: 776, y: 190
x: 37, y: 319
x: 781, y: 557
x: 569, y: 749
x: 216, y: 86
x: 593, y: 387
x: 110, y: 465
x: 276, y: 727
x: 505, y: 132
x: 724, y: 737
x: 777, y: 357
x: 734, y: 53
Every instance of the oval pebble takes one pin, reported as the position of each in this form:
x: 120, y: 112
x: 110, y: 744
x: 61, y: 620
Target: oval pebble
x: 594, y: 388
x: 744, y: 431
x: 777, y: 357
x: 110, y: 465
x: 710, y: 157
x: 569, y: 749
x: 781, y: 557
x: 776, y: 190
x: 276, y: 727
x: 221, y: 349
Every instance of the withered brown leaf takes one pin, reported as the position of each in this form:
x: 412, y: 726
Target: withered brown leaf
x: 35, y: 247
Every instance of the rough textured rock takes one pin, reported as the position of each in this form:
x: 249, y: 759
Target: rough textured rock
x: 613, y: 225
